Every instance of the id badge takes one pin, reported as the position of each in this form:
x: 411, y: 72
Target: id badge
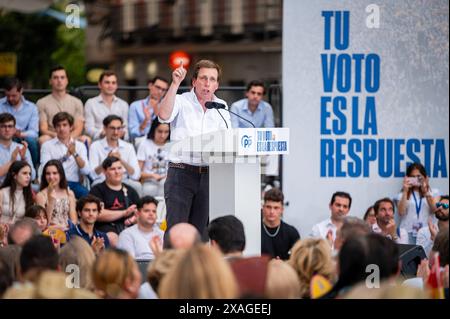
x: 415, y: 228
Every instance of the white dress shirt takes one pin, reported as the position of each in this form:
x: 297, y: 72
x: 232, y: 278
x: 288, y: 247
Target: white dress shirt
x: 424, y: 239
x: 320, y: 230
x: 188, y: 119
x: 99, y: 151
x: 136, y: 242
x: 402, y: 234
x: 55, y: 149
x: 95, y: 111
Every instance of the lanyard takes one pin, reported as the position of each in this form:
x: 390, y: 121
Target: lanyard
x: 418, y: 206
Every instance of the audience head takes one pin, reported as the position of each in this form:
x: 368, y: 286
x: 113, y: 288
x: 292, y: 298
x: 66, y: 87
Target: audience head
x: 201, y: 273
x: 352, y: 226
x: 22, y: 231
x: 7, y: 126
x: 113, y: 169
x: 58, y: 79
x: 158, y: 87
x: 38, y: 213
x: 88, y: 209
x: 309, y: 257
x: 13, y: 91
x: 369, y: 216
x: 227, y: 232
x: 6, y: 278
x: 78, y: 252
x: 183, y: 236
x: 159, y: 132
x: 19, y: 177
x: 384, y: 211
x: 53, y: 173
x: 116, y: 274
x: 282, y: 281
x: 113, y: 127
x: 340, y: 205
x: 163, y: 263
x: 38, y: 254
x: 273, y: 207
x: 63, y: 123
x: 442, y: 208
x: 146, y: 211
x: 255, y: 92
x: 440, y: 246
x: 107, y: 83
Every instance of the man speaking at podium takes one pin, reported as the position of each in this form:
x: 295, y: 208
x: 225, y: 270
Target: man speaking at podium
x: 186, y: 190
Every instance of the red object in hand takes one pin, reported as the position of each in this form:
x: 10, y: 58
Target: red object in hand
x: 177, y: 57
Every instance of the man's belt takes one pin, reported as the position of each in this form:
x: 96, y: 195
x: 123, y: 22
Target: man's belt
x: 191, y: 168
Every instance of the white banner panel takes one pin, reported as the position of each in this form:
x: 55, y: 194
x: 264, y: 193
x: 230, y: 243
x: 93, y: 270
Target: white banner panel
x: 365, y: 93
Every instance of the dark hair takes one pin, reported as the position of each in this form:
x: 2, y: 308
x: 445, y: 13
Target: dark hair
x: 7, y: 117
x: 156, y: 78
x: 208, y: 64
x: 256, y: 83
x: 228, y: 232
x: 11, y: 83
x: 14, y: 169
x: 366, y: 214
x: 274, y: 195
x: 87, y: 200
x: 38, y: 253
x: 107, y: 163
x: 146, y: 200
x: 56, y: 68
x: 34, y: 210
x: 360, y: 251
x: 377, y: 204
x: 441, y: 246
x: 61, y: 117
x: 422, y: 171
x: 106, y: 73
x: 341, y: 194
x: 444, y: 197
x: 60, y: 169
x: 22, y: 223
x: 107, y: 120
x: 155, y: 124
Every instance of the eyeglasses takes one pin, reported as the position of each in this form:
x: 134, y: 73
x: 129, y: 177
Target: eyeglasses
x: 204, y: 78
x: 443, y: 205
x: 4, y: 126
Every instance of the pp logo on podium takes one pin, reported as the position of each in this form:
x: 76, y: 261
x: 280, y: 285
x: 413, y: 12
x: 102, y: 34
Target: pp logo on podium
x: 246, y: 141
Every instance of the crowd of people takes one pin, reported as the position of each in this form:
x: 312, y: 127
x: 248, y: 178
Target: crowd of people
x: 80, y: 187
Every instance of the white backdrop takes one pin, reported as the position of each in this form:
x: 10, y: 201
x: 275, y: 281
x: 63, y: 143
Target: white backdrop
x: 406, y: 114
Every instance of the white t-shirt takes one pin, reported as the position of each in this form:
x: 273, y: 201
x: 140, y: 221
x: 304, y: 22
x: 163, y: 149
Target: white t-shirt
x: 411, y: 219
x: 154, y: 157
x: 137, y: 242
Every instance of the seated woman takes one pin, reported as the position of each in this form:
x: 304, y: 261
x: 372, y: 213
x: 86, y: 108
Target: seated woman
x: 55, y: 196
x: 152, y: 159
x: 15, y: 193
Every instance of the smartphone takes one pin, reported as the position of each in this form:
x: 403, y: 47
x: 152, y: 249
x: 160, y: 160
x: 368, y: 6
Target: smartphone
x: 414, y: 181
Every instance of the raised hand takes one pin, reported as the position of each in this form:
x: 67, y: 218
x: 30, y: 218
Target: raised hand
x: 130, y: 210
x: 433, y: 229
x: 179, y: 74
x: 423, y: 270
x: 23, y: 150
x: 15, y: 153
x: 391, y: 228
x: 114, y: 153
x: 406, y: 184
x: 71, y: 148
x: 98, y: 244
x: 156, y: 245
x: 329, y: 238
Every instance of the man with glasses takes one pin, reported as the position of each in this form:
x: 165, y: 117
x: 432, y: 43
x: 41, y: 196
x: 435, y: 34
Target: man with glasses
x: 113, y: 145
x: 143, y: 112
x: 106, y: 103
x: 188, y: 116
x: 11, y: 151
x: 427, y: 235
x: 384, y: 213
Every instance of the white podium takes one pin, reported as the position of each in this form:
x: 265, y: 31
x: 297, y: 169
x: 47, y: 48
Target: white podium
x: 235, y: 172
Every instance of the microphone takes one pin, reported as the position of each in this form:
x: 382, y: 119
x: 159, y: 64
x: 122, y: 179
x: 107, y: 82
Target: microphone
x: 217, y: 106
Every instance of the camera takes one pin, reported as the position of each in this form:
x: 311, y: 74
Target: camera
x: 414, y: 181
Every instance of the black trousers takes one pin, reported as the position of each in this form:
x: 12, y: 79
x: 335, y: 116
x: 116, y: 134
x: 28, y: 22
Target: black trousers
x: 187, y: 200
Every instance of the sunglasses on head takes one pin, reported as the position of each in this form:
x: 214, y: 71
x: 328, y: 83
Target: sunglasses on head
x: 445, y: 206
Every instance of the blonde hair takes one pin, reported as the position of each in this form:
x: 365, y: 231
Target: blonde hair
x: 111, y: 270
x: 78, y: 252
x: 158, y: 268
x: 282, y: 281
x: 201, y: 273
x: 311, y: 257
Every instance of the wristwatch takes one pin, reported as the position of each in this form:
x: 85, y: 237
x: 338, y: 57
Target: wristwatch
x: 75, y: 155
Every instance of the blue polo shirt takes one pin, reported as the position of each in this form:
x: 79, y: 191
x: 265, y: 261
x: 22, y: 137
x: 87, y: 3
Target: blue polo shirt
x: 76, y: 230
